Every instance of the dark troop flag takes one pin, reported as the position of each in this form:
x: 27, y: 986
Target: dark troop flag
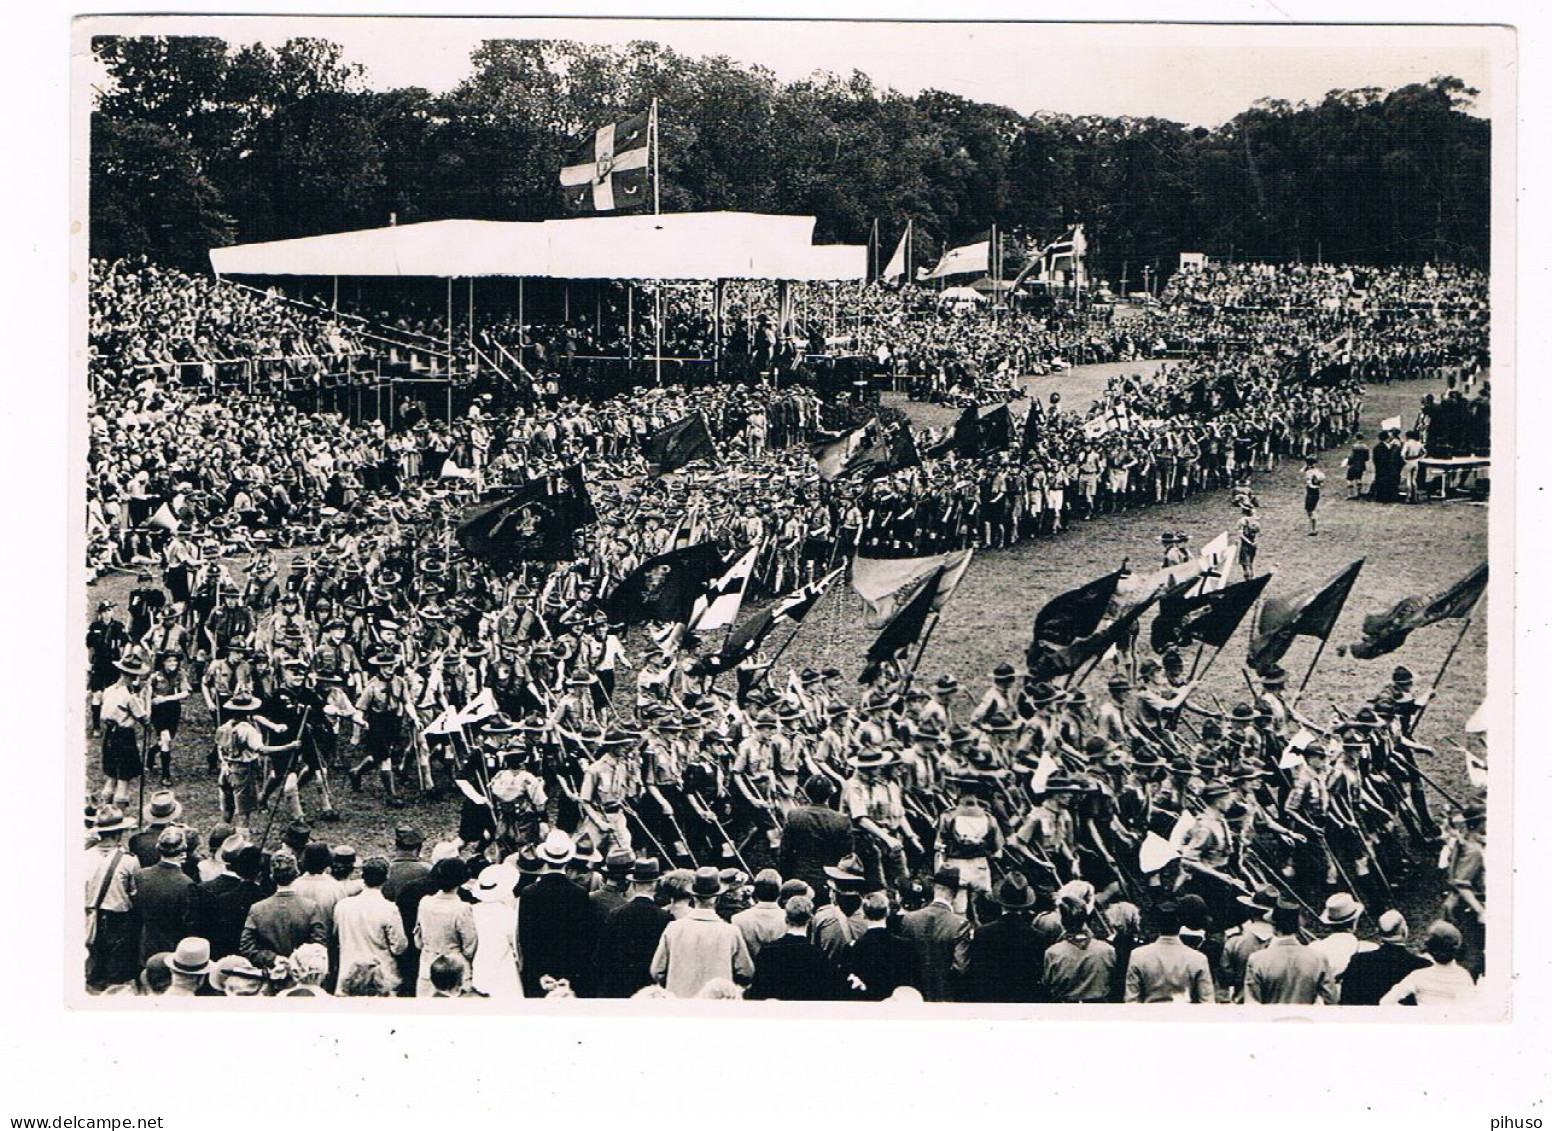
x: 1310, y: 612
x: 1385, y: 632
x: 743, y: 641
x: 609, y: 172
x: 903, y: 630
x: 1047, y: 661
x: 965, y: 440
x: 1211, y: 618
x: 684, y: 441
x: 996, y: 429
x: 1074, y: 614
x: 893, y: 450
x: 537, y: 522
x: 1034, y: 423
x: 664, y: 588
x: 836, y: 455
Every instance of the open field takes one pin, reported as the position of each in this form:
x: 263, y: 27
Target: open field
x: 1407, y: 550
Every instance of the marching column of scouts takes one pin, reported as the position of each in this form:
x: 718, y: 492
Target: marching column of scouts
x: 1030, y: 833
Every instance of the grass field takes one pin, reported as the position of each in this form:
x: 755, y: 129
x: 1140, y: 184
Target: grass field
x: 1408, y: 550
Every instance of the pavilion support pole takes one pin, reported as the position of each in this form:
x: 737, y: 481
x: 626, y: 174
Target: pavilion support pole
x: 716, y: 324
x: 336, y: 294
x: 630, y: 327
x: 657, y: 334
x: 566, y: 299
x: 471, y: 310
x: 449, y: 320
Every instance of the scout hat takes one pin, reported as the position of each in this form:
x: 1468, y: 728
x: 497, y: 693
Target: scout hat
x: 1341, y: 909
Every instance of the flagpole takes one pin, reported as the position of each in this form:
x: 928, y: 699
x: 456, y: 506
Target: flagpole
x: 1448, y: 656
x: 921, y: 649
x: 1309, y: 671
x: 657, y: 172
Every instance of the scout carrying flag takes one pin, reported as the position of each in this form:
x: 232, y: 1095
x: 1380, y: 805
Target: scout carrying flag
x: 538, y: 522
x: 1385, y: 632
x: 887, y: 584
x: 1074, y: 614
x: 1208, y: 618
x: 718, y: 606
x: 905, y: 627
x: 1311, y: 612
x: 610, y: 171
x: 682, y: 442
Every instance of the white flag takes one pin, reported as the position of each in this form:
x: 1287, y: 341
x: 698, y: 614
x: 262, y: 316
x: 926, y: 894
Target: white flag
x: 1043, y: 771
x: 1476, y: 768
x: 1477, y: 723
x: 482, y: 706
x: 1155, y: 853
x: 895, y: 268
x: 451, y: 470
x: 1390, y: 424
x: 1214, y: 559
x: 719, y: 607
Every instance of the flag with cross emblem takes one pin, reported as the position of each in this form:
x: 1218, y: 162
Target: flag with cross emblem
x: 609, y: 171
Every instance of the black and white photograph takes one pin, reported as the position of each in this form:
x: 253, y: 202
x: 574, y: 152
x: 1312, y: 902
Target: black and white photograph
x: 848, y: 519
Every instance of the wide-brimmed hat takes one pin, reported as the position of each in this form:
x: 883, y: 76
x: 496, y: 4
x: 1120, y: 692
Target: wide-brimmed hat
x: 163, y: 807
x: 1044, y: 695
x: 1402, y: 675
x: 1214, y: 790
x: 132, y: 665
x: 495, y: 882
x: 1014, y: 892
x: 995, y: 722
x: 1118, y: 682
x: 645, y: 870
x: 945, y: 684
x: 1062, y: 783
x: 234, y: 966
x: 1003, y: 672
x: 242, y: 704
x: 111, y: 819
x: 1393, y: 927
x: 1264, y: 898
x: 191, y: 957
x: 707, y: 883
x: 1341, y: 909
x: 557, y: 849
x: 846, y: 873
x: 872, y: 758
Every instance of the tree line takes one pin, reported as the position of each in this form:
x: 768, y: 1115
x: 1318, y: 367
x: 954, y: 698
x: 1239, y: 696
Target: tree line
x: 196, y: 142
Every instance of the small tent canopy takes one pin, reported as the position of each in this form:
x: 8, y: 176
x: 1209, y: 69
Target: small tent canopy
x: 685, y: 246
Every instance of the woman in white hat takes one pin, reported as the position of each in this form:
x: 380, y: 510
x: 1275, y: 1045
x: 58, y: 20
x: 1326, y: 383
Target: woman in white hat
x: 496, y: 971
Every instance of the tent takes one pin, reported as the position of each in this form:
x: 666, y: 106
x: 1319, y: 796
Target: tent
x: 684, y: 246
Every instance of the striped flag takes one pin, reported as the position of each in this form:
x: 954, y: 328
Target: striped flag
x: 718, y: 606
x: 744, y: 640
x: 970, y: 259
x: 609, y: 172
x: 834, y: 456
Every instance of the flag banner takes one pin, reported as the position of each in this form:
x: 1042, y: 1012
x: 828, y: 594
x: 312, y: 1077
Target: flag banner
x: 1047, y: 661
x: 666, y: 587
x: 718, y: 606
x: 996, y: 430
x: 1309, y: 612
x: 1076, y: 613
x: 965, y: 440
x: 954, y: 566
x: 1477, y: 723
x: 1135, y: 588
x: 1095, y: 427
x: 609, y: 172
x: 1034, y: 425
x: 445, y: 723
x: 886, y: 584
x: 682, y: 442
x: 1476, y: 768
x: 746, y: 639
x: 1390, y: 424
x: 834, y: 456
x: 903, y: 630
x: 1302, y: 739
x: 451, y: 470
x: 1292, y: 757
x: 164, y: 519
x: 1207, y: 618
x: 1214, y: 562
x: 971, y: 259
x: 482, y: 706
x: 895, y: 268
x: 1384, y: 632
x: 1044, y: 768
x: 1155, y: 853
x: 537, y: 522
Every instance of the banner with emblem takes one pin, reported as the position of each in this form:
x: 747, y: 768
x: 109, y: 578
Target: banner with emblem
x: 537, y: 522
x: 610, y: 172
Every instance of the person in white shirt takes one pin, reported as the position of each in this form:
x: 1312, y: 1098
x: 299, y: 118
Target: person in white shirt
x: 369, y: 930
x: 496, y: 971
x: 1445, y: 982
x: 1341, y: 914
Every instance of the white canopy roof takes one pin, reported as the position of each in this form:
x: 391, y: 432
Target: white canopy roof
x: 676, y: 246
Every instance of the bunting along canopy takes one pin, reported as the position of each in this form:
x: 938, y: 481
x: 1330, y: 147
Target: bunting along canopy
x: 679, y: 246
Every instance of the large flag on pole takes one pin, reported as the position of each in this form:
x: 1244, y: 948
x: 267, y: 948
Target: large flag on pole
x: 164, y: 519
x: 718, y: 606
x: 1214, y: 562
x: 1209, y: 618
x: 1309, y: 612
x: 1385, y: 632
x: 742, y: 642
x: 969, y: 259
x: 1072, y: 615
x: 675, y: 445
x: 965, y: 440
x: 665, y: 588
x: 834, y: 456
x: 609, y: 172
x: 1048, y: 661
x: 895, y: 268
x: 904, y: 628
x: 996, y: 429
x: 1034, y: 425
x: 537, y: 522
x: 887, y: 584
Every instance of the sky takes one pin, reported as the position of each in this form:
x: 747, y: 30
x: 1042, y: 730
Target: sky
x: 1196, y: 74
